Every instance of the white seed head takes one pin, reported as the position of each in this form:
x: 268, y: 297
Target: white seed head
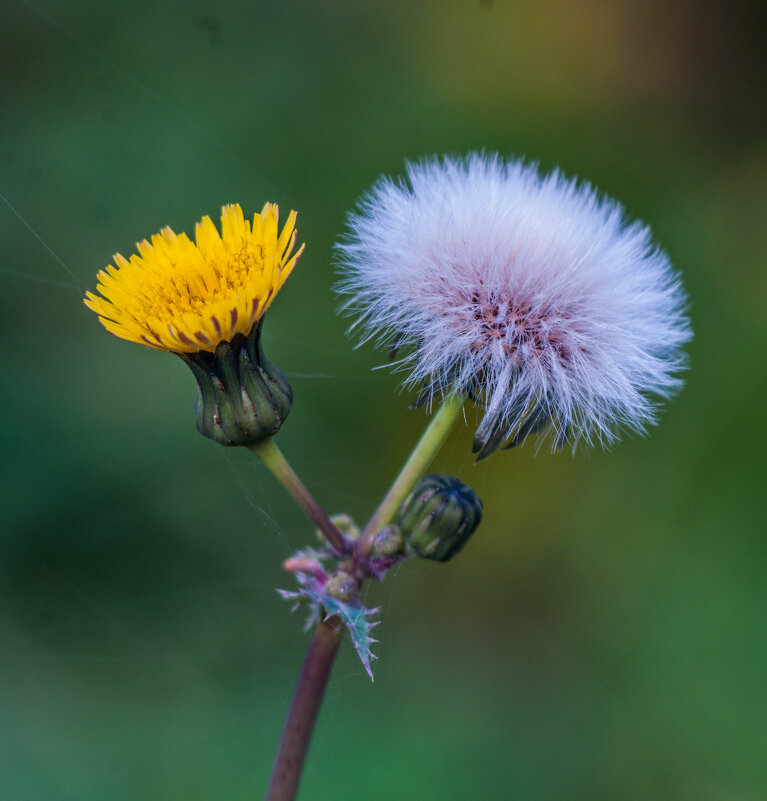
x: 532, y: 294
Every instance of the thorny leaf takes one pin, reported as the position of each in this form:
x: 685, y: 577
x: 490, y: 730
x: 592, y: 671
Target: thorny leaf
x: 357, y: 619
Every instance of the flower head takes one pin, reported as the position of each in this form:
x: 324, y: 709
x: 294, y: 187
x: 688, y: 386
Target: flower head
x: 206, y: 302
x: 529, y: 293
x: 186, y: 297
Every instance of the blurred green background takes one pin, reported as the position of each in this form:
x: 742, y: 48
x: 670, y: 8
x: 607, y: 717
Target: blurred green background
x: 604, y: 637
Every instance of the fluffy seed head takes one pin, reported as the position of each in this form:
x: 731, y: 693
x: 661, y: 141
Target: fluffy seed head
x: 530, y: 293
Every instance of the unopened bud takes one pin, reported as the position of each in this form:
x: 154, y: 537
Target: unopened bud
x: 389, y: 541
x: 439, y: 516
x: 345, y: 524
x: 342, y: 586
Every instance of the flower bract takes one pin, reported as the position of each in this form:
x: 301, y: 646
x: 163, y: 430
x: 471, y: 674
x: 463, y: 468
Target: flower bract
x: 186, y: 297
x: 529, y: 293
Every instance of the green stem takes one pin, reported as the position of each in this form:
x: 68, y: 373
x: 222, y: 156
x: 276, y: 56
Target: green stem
x: 270, y: 454
x: 432, y: 439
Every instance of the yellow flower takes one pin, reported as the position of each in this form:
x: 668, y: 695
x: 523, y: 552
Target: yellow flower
x: 183, y: 297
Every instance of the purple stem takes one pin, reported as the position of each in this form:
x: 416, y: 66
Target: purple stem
x: 307, y: 699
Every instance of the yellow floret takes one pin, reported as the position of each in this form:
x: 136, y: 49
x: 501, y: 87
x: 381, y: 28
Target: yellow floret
x: 184, y: 296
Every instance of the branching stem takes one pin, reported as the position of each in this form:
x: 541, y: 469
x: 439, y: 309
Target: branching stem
x: 324, y: 646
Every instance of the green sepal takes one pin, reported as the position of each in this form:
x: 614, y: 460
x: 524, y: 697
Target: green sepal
x: 494, y: 431
x: 242, y: 397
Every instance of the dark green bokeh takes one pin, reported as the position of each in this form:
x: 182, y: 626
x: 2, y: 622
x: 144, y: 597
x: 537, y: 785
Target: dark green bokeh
x: 603, y: 636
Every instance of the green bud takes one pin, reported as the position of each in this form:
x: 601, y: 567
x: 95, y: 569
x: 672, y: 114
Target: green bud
x: 439, y: 516
x: 345, y: 524
x: 242, y: 397
x: 389, y: 541
x: 342, y: 586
